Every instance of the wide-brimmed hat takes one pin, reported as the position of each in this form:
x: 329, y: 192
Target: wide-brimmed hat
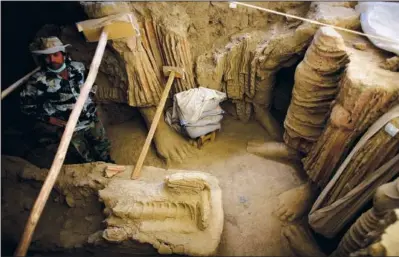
x: 47, y: 45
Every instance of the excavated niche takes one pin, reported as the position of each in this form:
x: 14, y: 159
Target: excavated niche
x: 182, y: 214
x: 229, y: 70
x: 282, y: 92
x: 246, y: 67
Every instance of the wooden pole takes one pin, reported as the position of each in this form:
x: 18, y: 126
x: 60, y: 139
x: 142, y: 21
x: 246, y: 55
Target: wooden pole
x: 14, y: 86
x: 62, y: 150
x: 154, y: 124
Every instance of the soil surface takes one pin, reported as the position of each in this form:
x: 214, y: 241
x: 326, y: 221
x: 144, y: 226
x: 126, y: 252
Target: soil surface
x: 250, y: 184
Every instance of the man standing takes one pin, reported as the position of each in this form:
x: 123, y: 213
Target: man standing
x: 51, y: 93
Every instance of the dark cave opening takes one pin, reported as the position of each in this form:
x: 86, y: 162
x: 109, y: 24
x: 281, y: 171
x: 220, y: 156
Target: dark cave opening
x: 20, y: 23
x: 282, y: 92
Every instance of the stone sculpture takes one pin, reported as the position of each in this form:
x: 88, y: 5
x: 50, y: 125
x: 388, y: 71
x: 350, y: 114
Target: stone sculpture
x: 366, y: 92
x: 385, y: 200
x: 354, y: 182
x: 182, y: 214
x: 272, y: 149
x: 256, y: 57
x: 367, y: 228
x: 316, y: 86
x: 131, y: 71
x: 385, y: 239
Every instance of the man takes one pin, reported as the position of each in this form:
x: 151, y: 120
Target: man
x: 50, y: 96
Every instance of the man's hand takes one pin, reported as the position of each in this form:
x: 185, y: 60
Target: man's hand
x: 57, y: 122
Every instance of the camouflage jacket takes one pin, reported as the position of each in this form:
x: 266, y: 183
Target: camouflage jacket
x: 47, y: 94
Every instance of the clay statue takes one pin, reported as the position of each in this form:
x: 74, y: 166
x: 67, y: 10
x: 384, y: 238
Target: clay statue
x: 366, y: 92
x: 182, y: 214
x: 161, y: 44
x: 361, y: 234
x: 131, y: 70
x: 316, y: 86
x: 353, y: 184
x: 270, y: 149
x: 296, y: 202
x: 300, y: 241
x: 385, y: 200
x: 386, y: 238
x: 246, y: 67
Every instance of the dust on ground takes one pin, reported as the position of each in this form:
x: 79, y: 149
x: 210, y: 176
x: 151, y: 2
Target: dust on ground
x: 250, y: 184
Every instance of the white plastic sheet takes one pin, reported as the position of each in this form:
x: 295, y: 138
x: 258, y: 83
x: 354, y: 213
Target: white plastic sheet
x: 196, y: 112
x: 195, y: 132
x: 381, y: 19
x: 207, y: 120
x: 189, y: 105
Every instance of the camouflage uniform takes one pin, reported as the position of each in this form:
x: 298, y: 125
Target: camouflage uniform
x: 47, y: 95
x: 92, y: 143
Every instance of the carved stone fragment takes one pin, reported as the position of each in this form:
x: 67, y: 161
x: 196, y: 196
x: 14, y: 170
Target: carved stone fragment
x: 181, y: 215
x: 386, y: 199
x: 366, y: 92
x: 163, y: 42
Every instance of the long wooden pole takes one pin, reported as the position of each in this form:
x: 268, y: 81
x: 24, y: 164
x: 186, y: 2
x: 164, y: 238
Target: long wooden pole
x: 62, y: 149
x: 154, y: 124
x: 14, y: 86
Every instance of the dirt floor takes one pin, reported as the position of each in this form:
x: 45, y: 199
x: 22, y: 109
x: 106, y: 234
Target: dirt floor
x: 250, y: 183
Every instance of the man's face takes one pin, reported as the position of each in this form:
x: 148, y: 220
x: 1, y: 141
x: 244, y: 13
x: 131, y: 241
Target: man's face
x: 55, y: 60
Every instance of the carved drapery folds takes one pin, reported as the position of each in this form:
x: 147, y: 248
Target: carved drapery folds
x: 316, y: 86
x: 142, y: 58
x: 181, y: 215
x: 366, y: 92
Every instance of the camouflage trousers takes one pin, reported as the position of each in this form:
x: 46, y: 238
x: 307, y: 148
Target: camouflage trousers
x: 90, y: 144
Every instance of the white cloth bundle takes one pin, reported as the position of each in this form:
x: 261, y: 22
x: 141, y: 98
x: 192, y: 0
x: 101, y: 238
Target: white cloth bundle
x: 196, y: 112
